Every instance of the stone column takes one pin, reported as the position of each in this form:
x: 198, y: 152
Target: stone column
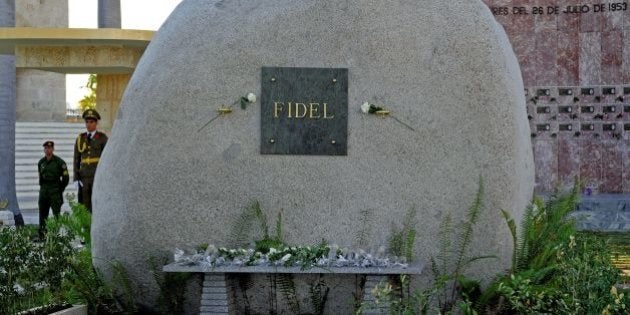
x: 8, y: 198
x: 109, y: 14
x: 41, y: 95
x: 109, y: 88
x: 109, y: 91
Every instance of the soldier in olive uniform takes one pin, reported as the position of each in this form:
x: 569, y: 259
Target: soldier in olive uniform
x: 53, y: 179
x: 87, y: 152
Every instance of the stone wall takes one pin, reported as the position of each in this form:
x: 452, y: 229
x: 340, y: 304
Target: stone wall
x: 574, y: 45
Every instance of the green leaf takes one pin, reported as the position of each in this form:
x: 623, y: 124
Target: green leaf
x: 243, y: 102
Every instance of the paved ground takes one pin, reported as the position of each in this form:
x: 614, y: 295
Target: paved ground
x: 605, y: 212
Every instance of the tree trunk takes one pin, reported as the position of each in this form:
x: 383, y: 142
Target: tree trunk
x: 7, y: 118
x: 109, y: 14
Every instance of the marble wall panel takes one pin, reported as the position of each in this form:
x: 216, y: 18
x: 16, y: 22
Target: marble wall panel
x: 525, y: 49
x: 568, y: 159
x: 522, y: 22
x: 545, y: 22
x: 568, y: 22
x: 568, y: 62
x: 612, y: 167
x: 546, y: 51
x: 626, y: 18
x: 612, y: 20
x: 626, y: 55
x: 612, y: 57
x: 546, y: 164
x: 625, y: 159
x: 589, y: 50
x: 590, y: 21
x: 590, y: 58
x: 590, y: 162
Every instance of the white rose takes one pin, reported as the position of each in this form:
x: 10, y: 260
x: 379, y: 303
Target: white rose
x: 365, y: 107
x: 285, y: 257
x: 251, y: 97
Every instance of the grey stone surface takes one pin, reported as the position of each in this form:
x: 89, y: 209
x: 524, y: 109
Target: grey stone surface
x: 444, y: 67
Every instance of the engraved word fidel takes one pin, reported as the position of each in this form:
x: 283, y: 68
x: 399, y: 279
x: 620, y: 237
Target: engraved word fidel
x: 298, y: 110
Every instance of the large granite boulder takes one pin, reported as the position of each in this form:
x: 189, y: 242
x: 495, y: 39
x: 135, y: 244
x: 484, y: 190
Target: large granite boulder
x: 445, y: 68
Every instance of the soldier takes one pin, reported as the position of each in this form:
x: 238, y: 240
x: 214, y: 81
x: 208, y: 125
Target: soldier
x: 53, y: 179
x: 87, y: 152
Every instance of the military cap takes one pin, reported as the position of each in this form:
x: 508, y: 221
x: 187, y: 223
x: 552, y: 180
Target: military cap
x: 91, y: 114
x: 48, y: 144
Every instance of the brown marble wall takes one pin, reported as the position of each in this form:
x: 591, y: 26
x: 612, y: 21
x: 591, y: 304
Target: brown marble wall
x: 573, y: 45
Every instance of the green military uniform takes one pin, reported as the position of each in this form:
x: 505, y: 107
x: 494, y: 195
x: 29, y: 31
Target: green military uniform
x: 87, y: 153
x: 53, y: 179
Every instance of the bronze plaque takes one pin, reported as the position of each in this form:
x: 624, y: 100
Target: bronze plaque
x: 304, y: 111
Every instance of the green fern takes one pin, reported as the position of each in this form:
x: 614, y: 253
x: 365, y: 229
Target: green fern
x: 242, y: 228
x: 318, y: 295
x: 467, y: 230
x: 451, y: 260
x: 245, y: 282
x: 287, y: 289
x: 401, y: 242
x: 121, y: 279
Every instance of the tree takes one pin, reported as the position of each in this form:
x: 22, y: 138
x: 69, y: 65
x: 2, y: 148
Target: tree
x: 7, y: 119
x: 89, y: 100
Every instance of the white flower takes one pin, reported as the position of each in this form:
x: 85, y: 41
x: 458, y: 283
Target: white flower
x: 272, y: 250
x: 251, y: 97
x: 285, y: 258
x: 365, y: 107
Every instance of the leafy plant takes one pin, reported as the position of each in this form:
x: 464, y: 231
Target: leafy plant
x: 554, y: 269
x: 449, y: 265
x: 242, y: 229
x: 172, y: 287
x: 401, y: 242
x: 89, y: 100
x: 451, y: 289
x: 286, y: 285
x: 83, y: 283
x: 399, y: 300
x: 318, y: 295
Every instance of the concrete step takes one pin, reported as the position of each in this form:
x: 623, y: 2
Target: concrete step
x: 29, y: 137
x: 38, y: 142
x: 29, y: 125
x: 28, y: 168
x: 34, y: 160
x: 35, y: 194
x: 52, y: 135
x: 39, y: 152
x: 27, y: 190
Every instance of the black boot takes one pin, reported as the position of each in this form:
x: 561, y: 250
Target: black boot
x: 19, y: 220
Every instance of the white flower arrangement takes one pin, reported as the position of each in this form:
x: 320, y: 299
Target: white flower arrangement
x: 323, y: 256
x: 249, y: 98
x: 368, y: 108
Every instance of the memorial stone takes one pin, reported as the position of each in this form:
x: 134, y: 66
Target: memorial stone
x: 184, y: 159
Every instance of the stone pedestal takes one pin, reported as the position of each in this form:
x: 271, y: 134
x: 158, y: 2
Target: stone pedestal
x: 6, y: 218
